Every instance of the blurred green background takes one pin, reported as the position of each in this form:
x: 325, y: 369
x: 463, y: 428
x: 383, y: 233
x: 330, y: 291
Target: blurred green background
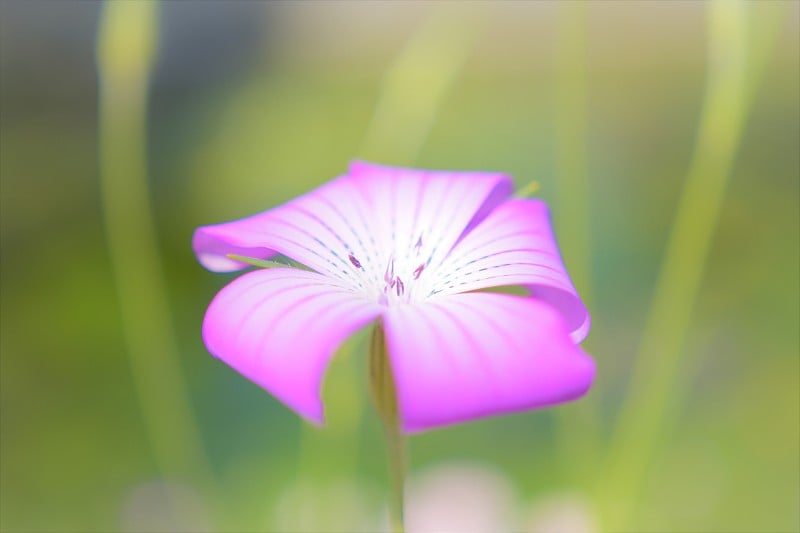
x: 629, y: 114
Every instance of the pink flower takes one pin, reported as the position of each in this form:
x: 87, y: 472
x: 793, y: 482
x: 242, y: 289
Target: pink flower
x: 405, y: 247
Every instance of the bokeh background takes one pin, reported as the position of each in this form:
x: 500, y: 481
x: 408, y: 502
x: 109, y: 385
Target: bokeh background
x: 665, y: 135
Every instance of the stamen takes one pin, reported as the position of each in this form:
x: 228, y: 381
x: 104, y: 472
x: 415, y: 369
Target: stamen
x: 356, y: 262
x: 388, y: 276
x: 418, y: 271
x: 418, y: 246
x: 401, y: 289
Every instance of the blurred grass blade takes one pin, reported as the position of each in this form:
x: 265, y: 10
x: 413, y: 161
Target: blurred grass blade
x: 125, y: 53
x: 648, y: 402
x: 577, y: 423
x: 417, y: 83
x: 573, y: 188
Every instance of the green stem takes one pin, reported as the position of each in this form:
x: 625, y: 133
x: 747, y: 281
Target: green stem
x: 384, y: 395
x: 397, y: 455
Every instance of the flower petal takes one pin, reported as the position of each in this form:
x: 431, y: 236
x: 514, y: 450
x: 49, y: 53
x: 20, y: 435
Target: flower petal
x: 316, y: 229
x: 417, y: 216
x: 514, y: 245
x: 280, y: 327
x: 353, y: 227
x: 466, y: 356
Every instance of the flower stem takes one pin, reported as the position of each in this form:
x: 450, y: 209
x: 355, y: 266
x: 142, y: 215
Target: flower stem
x: 384, y: 396
x: 397, y: 455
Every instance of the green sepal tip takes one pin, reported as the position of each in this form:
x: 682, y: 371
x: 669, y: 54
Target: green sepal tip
x: 528, y: 190
x: 261, y: 263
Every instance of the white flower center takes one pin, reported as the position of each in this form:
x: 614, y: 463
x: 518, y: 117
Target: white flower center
x: 399, y: 279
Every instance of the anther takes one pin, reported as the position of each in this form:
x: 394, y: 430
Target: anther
x: 356, y: 262
x: 400, y: 287
x: 418, y: 271
x: 388, y: 276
